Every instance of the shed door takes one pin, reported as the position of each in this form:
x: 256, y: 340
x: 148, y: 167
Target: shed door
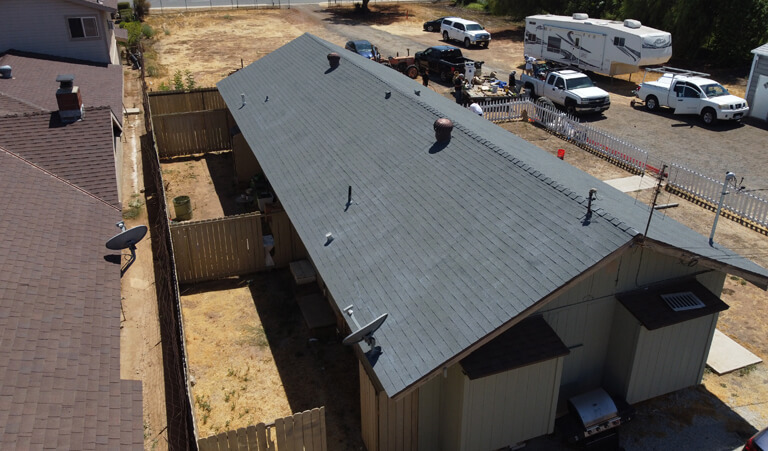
x: 759, y: 105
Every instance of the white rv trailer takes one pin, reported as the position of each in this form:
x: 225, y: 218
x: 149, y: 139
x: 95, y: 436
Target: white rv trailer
x: 603, y: 46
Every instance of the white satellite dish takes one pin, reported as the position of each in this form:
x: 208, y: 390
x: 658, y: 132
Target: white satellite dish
x: 364, y: 333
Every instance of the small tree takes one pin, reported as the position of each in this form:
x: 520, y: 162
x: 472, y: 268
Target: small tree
x: 141, y: 8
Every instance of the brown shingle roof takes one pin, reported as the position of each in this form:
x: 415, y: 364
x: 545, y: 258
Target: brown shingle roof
x: 80, y: 152
x: 60, y: 385
x: 11, y: 105
x: 34, y: 81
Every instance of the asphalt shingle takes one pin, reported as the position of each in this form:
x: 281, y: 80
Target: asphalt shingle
x: 454, y: 241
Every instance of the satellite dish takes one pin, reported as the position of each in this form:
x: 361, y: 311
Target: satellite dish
x: 127, y: 238
x: 364, y: 333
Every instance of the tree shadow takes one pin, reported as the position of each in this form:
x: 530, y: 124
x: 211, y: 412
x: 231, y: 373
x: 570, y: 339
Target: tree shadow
x: 379, y: 14
x: 222, y: 170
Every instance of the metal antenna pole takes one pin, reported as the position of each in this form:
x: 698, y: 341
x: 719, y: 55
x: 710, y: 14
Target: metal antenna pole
x: 655, y: 197
x: 729, y: 176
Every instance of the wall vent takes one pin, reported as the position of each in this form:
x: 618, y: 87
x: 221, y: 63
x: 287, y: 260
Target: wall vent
x: 682, y: 301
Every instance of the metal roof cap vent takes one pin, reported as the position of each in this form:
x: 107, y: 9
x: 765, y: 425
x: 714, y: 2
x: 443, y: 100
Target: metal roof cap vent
x: 5, y: 72
x: 632, y: 23
x: 333, y: 60
x: 580, y: 16
x: 443, y: 128
x: 68, y: 99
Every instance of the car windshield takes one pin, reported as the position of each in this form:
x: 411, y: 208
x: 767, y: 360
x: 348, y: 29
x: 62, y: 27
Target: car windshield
x: 714, y: 90
x: 581, y: 82
x: 362, y: 46
x: 474, y: 27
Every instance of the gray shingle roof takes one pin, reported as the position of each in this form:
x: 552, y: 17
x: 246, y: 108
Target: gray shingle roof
x: 80, y: 152
x: 34, y: 81
x: 60, y: 385
x: 454, y: 242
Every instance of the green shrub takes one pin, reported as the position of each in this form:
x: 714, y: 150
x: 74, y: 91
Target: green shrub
x: 147, y: 31
x: 163, y: 87
x: 126, y: 14
x: 123, y: 5
x: 141, y: 8
x: 152, y: 71
x: 134, y: 32
x: 190, y: 79
x: 178, y: 81
x: 476, y: 7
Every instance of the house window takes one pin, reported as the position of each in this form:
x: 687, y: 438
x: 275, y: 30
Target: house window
x: 618, y: 42
x: 83, y: 27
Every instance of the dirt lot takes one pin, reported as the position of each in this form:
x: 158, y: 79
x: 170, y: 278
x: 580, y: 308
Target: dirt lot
x: 212, y: 45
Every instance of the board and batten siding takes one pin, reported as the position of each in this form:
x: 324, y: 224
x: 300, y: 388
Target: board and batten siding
x: 43, y: 28
x: 586, y: 316
x: 670, y: 358
x: 387, y: 425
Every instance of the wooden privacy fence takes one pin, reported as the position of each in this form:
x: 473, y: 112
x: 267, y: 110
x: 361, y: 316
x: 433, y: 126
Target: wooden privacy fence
x: 184, y: 134
x: 746, y: 207
x: 303, y: 431
x: 169, y: 102
x: 190, y: 122
x: 232, y: 246
x: 218, y: 248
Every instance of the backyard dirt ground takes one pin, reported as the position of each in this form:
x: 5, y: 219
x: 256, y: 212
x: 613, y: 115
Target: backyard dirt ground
x: 227, y: 325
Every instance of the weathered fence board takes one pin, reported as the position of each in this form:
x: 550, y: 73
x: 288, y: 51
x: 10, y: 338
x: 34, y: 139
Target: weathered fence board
x: 183, y: 134
x: 306, y: 432
x: 214, y: 249
x: 169, y: 102
x: 288, y: 245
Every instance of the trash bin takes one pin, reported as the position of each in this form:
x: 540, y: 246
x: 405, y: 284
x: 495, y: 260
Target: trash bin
x: 182, y: 206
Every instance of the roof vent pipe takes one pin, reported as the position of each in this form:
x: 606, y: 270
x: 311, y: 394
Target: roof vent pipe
x: 443, y: 128
x: 69, y: 99
x: 5, y: 72
x: 333, y: 60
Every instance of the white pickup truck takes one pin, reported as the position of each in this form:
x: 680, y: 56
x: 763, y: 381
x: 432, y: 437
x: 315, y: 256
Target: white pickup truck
x: 570, y: 89
x: 688, y: 92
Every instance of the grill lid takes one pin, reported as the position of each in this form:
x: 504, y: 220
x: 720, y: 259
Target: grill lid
x: 593, y: 407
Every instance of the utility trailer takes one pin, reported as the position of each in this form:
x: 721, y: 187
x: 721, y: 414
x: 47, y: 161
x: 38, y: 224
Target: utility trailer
x: 603, y: 46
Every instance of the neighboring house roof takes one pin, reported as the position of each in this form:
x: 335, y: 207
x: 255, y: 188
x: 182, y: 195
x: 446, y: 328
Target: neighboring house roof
x: 456, y: 242
x: 106, y: 5
x: 80, y: 152
x: 34, y: 81
x: 762, y: 50
x: 60, y: 385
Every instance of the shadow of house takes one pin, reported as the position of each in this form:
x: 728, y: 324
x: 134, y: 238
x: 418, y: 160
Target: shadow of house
x: 467, y: 247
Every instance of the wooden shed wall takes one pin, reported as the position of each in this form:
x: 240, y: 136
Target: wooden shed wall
x: 507, y: 408
x: 388, y: 425
x: 621, y: 351
x: 246, y: 164
x: 670, y: 358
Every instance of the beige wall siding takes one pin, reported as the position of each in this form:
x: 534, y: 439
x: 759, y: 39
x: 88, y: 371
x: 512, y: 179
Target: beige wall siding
x: 41, y: 27
x: 452, y: 409
x: 368, y: 411
x: 510, y: 407
x: 670, y: 358
x: 621, y: 351
x: 429, y: 414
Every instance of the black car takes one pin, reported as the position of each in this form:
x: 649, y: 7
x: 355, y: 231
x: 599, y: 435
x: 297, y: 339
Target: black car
x: 433, y: 25
x: 363, y: 48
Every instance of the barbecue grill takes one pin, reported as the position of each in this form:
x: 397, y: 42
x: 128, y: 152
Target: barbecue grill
x: 593, y: 420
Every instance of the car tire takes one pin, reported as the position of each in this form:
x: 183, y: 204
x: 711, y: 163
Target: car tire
x: 445, y: 36
x: 430, y: 28
x: 485, y: 44
x: 545, y: 102
x: 708, y: 116
x: 652, y: 103
x: 570, y: 109
x: 445, y: 76
x: 467, y: 43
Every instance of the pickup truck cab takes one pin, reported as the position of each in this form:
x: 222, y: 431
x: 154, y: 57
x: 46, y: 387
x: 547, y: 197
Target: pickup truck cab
x: 465, y: 31
x: 691, y: 93
x: 444, y: 60
x: 570, y: 89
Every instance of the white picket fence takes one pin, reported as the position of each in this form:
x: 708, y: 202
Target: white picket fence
x: 738, y: 203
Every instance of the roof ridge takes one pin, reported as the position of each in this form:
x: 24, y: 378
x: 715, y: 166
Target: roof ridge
x: 25, y: 102
x: 65, y: 181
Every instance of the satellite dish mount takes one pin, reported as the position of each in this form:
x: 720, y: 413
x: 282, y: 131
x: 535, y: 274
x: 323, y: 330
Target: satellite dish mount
x: 364, y: 333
